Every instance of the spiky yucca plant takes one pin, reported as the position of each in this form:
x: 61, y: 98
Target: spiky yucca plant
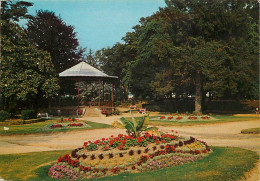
x: 135, y: 127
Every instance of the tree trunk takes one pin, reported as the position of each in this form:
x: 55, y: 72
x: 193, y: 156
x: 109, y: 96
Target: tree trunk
x: 198, y: 94
x: 49, y: 105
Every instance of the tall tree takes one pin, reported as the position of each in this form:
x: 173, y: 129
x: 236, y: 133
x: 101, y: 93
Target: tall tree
x: 91, y: 60
x: 14, y: 10
x: 118, y: 60
x: 27, y: 74
x: 198, y: 46
x: 50, y: 33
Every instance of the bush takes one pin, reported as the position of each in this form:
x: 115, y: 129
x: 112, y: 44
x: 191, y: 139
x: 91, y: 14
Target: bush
x: 28, y: 114
x: 116, y: 112
x: 4, y: 115
x: 117, y: 103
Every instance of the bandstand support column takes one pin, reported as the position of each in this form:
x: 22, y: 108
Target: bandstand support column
x: 103, y: 88
x: 112, y: 94
x: 78, y: 93
x: 99, y: 96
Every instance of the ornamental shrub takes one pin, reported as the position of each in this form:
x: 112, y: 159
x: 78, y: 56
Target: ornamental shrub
x: 28, y: 114
x: 91, y: 147
x: 4, y: 115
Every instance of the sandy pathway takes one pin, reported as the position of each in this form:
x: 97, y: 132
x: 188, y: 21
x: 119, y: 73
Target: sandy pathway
x: 224, y: 134
x: 47, y: 142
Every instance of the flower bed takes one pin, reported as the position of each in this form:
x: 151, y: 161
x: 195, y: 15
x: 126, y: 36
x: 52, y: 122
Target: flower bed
x: 192, y: 117
x: 179, y: 118
x: 128, y: 154
x: 66, y: 125
x: 56, y: 126
x: 205, y: 117
x: 184, y: 117
x: 76, y: 124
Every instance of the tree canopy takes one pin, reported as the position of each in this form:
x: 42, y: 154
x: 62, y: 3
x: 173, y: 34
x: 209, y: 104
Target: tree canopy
x: 27, y: 73
x: 50, y: 33
x: 190, y: 48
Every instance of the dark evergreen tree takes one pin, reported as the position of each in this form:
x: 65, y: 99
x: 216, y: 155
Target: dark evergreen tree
x: 50, y: 33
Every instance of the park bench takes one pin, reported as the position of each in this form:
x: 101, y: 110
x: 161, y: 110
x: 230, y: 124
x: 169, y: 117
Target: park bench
x: 142, y: 111
x: 43, y: 115
x: 132, y: 107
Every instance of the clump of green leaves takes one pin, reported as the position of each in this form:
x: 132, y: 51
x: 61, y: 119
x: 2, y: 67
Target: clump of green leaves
x: 135, y: 127
x: 91, y: 147
x: 28, y: 114
x: 4, y: 115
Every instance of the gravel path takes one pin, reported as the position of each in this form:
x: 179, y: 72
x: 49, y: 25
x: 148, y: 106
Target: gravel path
x: 224, y: 134
x: 221, y: 134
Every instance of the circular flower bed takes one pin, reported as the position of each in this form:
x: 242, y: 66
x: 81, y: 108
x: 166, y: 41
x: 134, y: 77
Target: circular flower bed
x: 128, y: 154
x: 184, y: 117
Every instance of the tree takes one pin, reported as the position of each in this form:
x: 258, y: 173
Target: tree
x: 194, y: 47
x: 117, y: 61
x: 91, y: 60
x: 217, y: 31
x: 14, y: 10
x: 27, y: 74
x: 50, y: 33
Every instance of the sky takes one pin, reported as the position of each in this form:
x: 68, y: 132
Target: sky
x: 99, y: 23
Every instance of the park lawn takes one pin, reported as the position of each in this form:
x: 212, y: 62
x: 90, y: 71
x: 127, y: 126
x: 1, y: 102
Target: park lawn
x: 35, y: 128
x: 218, y: 119
x: 22, y: 166
x: 225, y: 163
x: 251, y: 131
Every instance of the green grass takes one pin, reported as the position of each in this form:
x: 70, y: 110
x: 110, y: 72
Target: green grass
x: 218, y: 119
x: 251, y: 131
x: 224, y: 163
x: 35, y: 128
x: 23, y: 166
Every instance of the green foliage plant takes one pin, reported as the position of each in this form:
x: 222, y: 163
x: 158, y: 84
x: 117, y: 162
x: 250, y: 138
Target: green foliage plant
x: 135, y: 127
x: 4, y: 115
x: 91, y: 147
x: 28, y: 114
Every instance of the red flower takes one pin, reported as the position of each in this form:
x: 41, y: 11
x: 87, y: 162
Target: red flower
x: 120, y: 147
x: 122, y: 141
x: 106, y: 148
x: 140, y: 139
x: 147, y: 135
x: 96, y: 142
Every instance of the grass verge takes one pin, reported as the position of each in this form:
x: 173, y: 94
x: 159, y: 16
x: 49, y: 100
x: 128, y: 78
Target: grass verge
x: 35, y: 128
x: 218, y: 119
x: 251, y: 131
x: 225, y: 163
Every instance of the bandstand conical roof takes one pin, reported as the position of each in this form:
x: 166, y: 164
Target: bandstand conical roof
x: 84, y: 70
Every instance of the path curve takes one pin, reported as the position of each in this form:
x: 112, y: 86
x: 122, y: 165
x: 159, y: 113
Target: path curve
x: 220, y: 134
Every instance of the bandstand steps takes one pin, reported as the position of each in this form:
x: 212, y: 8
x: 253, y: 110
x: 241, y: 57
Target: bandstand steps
x: 92, y: 112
